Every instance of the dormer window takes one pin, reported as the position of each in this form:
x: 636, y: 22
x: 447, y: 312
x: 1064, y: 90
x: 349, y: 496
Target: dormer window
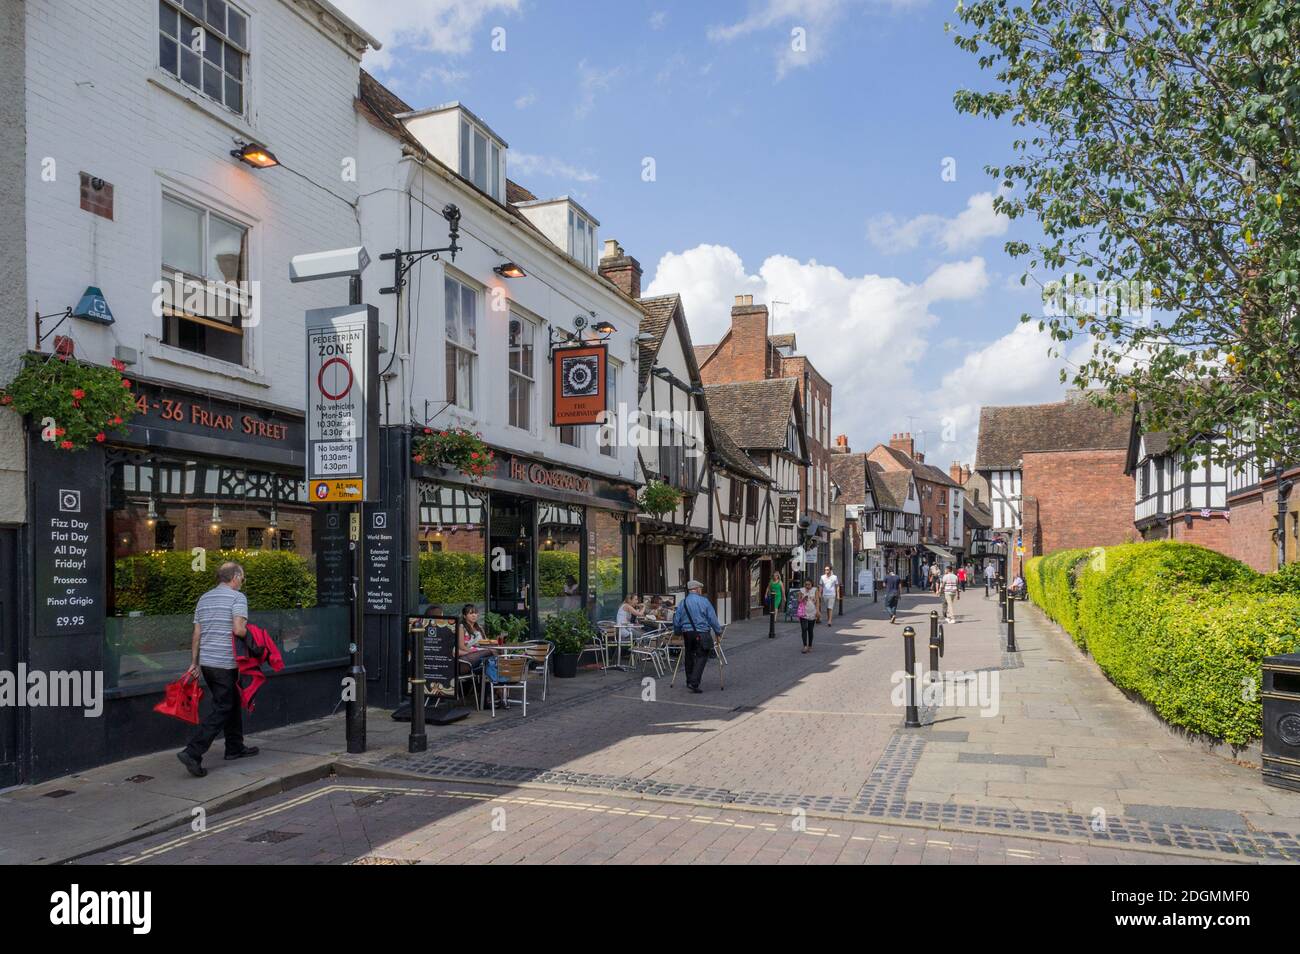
x: 480, y: 159
x: 582, y: 239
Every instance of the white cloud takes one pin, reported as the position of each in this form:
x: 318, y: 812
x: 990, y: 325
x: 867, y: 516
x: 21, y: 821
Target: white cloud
x: 658, y: 19
x: 448, y: 77
x: 532, y: 165
x: 448, y: 27
x: 592, y: 81
x: 526, y: 100
x: 867, y: 334
x: 968, y: 228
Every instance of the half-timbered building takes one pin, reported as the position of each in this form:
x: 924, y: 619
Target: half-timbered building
x: 1177, y: 496
x: 895, y: 523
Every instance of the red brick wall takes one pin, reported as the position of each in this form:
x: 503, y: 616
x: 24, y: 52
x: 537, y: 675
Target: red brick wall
x: 743, y: 356
x: 1084, y: 498
x: 1253, y: 520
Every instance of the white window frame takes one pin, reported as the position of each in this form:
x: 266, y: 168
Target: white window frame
x: 511, y: 374
x: 584, y: 249
x: 473, y: 352
x: 612, y: 370
x: 178, y: 7
x: 492, y: 177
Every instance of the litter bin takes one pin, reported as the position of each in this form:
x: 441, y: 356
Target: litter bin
x: 1281, y: 704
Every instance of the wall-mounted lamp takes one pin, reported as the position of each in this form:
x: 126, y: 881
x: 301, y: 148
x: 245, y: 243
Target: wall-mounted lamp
x: 255, y: 155
x: 216, y: 518
x: 151, y: 515
x: 510, y: 270
x: 274, y: 520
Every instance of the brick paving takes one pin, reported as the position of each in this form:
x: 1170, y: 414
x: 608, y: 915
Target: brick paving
x: 1061, y: 768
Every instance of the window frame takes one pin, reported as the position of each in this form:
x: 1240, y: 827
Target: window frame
x: 463, y: 285
x: 244, y: 49
x: 468, y: 165
x: 530, y: 378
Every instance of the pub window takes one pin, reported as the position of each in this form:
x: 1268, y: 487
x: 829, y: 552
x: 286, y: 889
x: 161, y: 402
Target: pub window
x: 205, y: 46
x: 610, y: 447
x: 571, y: 435
x: 736, y: 499
x: 751, y: 503
x: 521, y: 372
x: 461, y: 317
x: 256, y: 536
x: 204, y: 293
x: 161, y: 509
x: 286, y: 541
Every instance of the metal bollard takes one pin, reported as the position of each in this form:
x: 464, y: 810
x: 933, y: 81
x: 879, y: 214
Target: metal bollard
x: 936, y: 650
x: 986, y: 587
x: 911, y: 718
x: 771, y: 622
x: 417, y: 741
x: 1002, y: 600
x: 1011, y: 622
x: 934, y: 635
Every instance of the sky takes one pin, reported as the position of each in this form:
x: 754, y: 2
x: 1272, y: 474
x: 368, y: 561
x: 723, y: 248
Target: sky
x: 806, y: 152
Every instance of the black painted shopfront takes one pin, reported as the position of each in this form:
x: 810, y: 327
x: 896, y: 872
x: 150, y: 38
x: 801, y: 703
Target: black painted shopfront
x: 123, y: 537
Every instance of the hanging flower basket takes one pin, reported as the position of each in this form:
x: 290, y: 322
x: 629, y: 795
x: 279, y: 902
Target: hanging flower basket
x: 75, y: 404
x: 455, y: 447
x: 658, y: 498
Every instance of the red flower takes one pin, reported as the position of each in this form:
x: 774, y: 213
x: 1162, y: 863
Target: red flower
x: 66, y: 445
x: 473, y: 455
x: 118, y: 365
x: 100, y: 437
x: 78, y: 393
x: 126, y: 382
x: 117, y: 420
x: 63, y: 357
x: 7, y: 399
x: 59, y: 432
x: 428, y: 430
x: 418, y: 458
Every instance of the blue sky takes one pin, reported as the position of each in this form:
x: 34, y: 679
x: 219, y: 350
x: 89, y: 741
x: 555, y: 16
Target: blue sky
x: 810, y: 177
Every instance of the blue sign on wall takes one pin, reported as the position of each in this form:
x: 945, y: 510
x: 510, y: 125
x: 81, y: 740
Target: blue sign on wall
x: 93, y: 307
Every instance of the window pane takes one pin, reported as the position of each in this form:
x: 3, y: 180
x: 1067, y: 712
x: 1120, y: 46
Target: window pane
x: 464, y: 379
x: 237, y: 28
x: 182, y: 237
x: 451, y: 305
x: 469, y: 318
x: 451, y: 373
x: 217, y: 15
x: 591, y: 245
x: 191, y: 66
x: 212, y: 49
x: 194, y: 6
x: 212, y: 80
x: 234, y: 95
x: 166, y: 18
x: 495, y: 162
x: 480, y: 160
x: 464, y: 149
x: 226, y: 250
x: 167, y: 54
x: 521, y: 391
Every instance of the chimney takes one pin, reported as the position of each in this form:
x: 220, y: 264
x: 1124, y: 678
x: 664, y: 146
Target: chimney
x: 965, y: 474
x: 749, y: 359
x: 841, y: 444
x: 621, y: 269
x: 955, y: 472
x: 903, y: 442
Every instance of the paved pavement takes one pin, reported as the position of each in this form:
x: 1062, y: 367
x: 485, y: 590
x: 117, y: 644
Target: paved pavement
x: 1053, y: 757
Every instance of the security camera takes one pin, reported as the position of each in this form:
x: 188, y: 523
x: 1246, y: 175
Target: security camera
x: 336, y: 263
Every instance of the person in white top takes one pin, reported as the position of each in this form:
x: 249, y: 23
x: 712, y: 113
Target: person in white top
x: 830, y: 588
x: 949, y: 585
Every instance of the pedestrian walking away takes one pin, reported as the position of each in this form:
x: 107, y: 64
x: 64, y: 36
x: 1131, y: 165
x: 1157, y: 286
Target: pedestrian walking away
x: 220, y: 616
x: 892, y: 585
x: 961, y: 579
x: 775, y: 596
x: 809, y: 612
x: 950, y: 596
x: 830, y: 584
x: 697, y: 623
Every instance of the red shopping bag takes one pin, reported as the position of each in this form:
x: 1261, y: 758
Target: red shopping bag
x: 181, y: 700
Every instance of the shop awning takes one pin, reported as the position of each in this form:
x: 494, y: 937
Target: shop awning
x: 940, y: 552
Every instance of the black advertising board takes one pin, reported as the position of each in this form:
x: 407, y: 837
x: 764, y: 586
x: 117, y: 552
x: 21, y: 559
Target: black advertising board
x: 438, y: 636
x: 382, y: 561
x: 788, y: 510
x: 333, y: 556
x: 67, y: 540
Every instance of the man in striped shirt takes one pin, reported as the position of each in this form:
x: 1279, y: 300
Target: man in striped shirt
x: 221, y: 612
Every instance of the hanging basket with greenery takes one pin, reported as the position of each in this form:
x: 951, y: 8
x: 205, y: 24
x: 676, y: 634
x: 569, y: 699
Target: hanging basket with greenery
x: 455, y: 447
x: 658, y: 498
x: 75, y: 404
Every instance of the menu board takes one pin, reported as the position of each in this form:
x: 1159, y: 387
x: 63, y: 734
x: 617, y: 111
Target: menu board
x: 68, y: 540
x: 333, y: 556
x: 437, y: 635
x: 382, y: 562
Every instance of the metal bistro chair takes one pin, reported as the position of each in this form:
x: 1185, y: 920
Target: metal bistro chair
x: 511, y: 674
x: 612, y: 636
x: 539, y: 652
x: 652, y: 645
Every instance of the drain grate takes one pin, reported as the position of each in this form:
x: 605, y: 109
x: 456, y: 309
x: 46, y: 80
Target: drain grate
x: 58, y: 793
x: 374, y: 798
x: 140, y: 778
x: 272, y: 837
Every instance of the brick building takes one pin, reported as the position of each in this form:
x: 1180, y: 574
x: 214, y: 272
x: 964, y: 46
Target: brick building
x: 1057, y: 474
x: 749, y: 352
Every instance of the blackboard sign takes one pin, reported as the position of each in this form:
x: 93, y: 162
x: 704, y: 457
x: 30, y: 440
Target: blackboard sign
x: 333, y: 556
x: 787, y: 510
x: 437, y: 635
x: 381, y: 561
x: 68, y: 540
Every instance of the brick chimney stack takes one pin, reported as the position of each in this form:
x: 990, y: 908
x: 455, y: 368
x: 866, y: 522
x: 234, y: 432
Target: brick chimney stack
x: 841, y: 444
x: 903, y: 442
x: 621, y: 269
x: 750, y: 360
x: 955, y: 471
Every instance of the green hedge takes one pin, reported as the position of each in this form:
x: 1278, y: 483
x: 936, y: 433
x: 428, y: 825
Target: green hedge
x: 1183, y: 627
x: 453, y: 579
x: 164, y: 583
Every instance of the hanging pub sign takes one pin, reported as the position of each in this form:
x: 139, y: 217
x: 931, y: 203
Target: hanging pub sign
x: 787, y: 510
x: 578, y: 386
x: 342, y: 404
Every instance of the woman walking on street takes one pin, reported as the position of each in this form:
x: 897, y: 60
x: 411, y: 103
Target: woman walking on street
x: 809, y: 611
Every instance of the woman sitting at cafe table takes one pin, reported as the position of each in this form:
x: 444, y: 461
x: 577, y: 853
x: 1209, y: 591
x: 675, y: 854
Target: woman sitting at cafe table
x: 474, y: 642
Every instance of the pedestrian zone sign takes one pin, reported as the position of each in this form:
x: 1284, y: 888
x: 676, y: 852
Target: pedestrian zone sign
x: 342, y: 408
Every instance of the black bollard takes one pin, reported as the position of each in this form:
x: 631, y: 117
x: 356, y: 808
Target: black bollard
x: 911, y: 718
x: 771, y: 622
x: 1002, y: 600
x: 936, y: 650
x: 1011, y: 622
x: 418, y: 741
x: 934, y: 635
x: 986, y: 587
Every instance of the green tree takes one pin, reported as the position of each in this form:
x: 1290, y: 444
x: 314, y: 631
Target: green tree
x: 1160, y: 151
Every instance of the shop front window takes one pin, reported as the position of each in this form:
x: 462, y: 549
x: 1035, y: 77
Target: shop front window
x: 175, y: 521
x: 560, y: 532
x: 605, y: 561
x: 451, y: 545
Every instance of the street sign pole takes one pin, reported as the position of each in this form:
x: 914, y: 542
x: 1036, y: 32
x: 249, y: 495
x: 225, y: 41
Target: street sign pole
x: 356, y: 710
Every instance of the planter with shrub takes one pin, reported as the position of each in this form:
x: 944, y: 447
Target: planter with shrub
x: 568, y: 631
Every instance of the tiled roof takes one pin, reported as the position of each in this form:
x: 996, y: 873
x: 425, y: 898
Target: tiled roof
x: 890, y: 486
x: 1008, y: 433
x: 977, y: 514
x: 782, y: 341
x: 733, y: 457
x: 658, y: 315
x: 755, y: 413
x: 702, y: 352
x: 850, y: 472
x: 919, y: 470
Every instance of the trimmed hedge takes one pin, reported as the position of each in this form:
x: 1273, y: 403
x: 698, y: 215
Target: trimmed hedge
x: 164, y: 583
x: 448, y: 578
x: 1183, y: 627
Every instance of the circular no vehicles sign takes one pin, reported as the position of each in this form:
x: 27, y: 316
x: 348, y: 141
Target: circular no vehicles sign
x: 334, y: 380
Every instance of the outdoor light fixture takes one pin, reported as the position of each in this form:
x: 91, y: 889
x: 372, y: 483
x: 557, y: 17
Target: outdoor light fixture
x: 255, y: 155
x: 510, y: 270
x: 274, y: 520
x: 151, y: 515
x: 604, y: 328
x: 216, y: 518
x: 402, y: 261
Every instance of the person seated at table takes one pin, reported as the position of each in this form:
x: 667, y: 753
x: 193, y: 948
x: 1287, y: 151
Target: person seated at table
x: 474, y: 642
